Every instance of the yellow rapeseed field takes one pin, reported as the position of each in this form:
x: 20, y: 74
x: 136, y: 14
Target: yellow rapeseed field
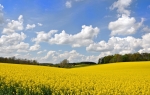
x: 130, y: 78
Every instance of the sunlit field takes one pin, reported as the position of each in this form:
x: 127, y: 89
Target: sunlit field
x: 132, y: 78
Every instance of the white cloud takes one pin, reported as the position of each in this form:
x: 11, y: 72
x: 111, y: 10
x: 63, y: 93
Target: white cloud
x: 102, y: 46
x: 20, y: 18
x: 39, y: 52
x: 1, y: 7
x: 13, y: 39
x: 50, y: 54
x: 1, y: 14
x: 117, y: 45
x: 17, y: 55
x: 14, y: 26
x: 43, y: 37
x: 145, y: 43
x: 68, y: 4
x: 83, y: 38
x: 30, y: 26
x: 10, y: 41
x: 8, y: 30
x: 7, y: 49
x: 35, y: 47
x: 121, y: 6
x: 124, y: 26
x: 22, y: 47
x: 146, y: 29
x: 26, y: 55
x: 72, y: 56
x: 13, y: 43
x: 39, y: 24
x: 145, y: 50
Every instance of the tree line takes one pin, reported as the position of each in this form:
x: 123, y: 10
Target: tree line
x: 124, y: 58
x: 17, y: 61
x: 65, y: 63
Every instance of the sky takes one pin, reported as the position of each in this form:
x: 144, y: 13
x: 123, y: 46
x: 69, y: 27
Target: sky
x: 50, y: 31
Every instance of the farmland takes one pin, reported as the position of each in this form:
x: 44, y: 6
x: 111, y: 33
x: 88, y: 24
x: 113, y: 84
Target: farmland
x: 130, y: 78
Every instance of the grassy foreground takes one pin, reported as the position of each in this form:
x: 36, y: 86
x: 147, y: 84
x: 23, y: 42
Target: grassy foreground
x: 131, y: 78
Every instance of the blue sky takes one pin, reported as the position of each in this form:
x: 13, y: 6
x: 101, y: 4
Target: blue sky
x: 77, y: 30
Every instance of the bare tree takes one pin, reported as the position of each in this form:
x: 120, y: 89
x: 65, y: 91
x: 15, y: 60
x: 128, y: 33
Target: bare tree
x: 64, y: 63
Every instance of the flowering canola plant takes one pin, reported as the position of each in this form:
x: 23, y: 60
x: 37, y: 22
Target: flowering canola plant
x: 130, y: 78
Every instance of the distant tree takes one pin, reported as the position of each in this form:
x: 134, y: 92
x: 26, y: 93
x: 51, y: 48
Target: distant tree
x: 100, y: 60
x: 136, y: 57
x: 64, y: 63
x: 124, y: 58
x: 108, y: 58
x: 18, y: 61
x: 34, y: 62
x: 145, y: 56
x: 88, y: 63
x: 118, y: 57
x: 148, y: 57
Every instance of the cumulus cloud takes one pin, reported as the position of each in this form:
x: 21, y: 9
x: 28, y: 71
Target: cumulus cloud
x: 146, y: 29
x: 9, y: 49
x: 83, y: 38
x: 14, y: 25
x: 102, y: 46
x: 68, y: 4
x: 25, y: 55
x: 124, y: 26
x: 30, y: 26
x: 1, y: 7
x: 117, y: 45
x: 35, y: 47
x: 10, y: 40
x: 13, y: 43
x: 121, y: 6
x: 22, y: 47
x: 13, y: 39
x: 39, y: 52
x: 145, y: 43
x: 72, y: 56
x: 43, y: 37
x: 39, y: 24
